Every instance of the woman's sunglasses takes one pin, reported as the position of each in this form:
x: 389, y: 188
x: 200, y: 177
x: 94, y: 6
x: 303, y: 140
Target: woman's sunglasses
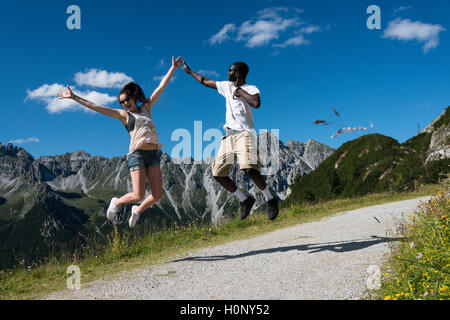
x: 127, y: 99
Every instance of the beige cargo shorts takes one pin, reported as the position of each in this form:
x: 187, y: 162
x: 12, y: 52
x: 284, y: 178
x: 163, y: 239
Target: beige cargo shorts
x: 240, y: 146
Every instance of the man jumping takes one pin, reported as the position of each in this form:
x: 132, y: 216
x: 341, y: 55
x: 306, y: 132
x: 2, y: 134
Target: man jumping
x: 240, y: 141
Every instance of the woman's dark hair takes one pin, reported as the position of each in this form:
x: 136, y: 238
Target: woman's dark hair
x: 243, y: 68
x: 133, y: 90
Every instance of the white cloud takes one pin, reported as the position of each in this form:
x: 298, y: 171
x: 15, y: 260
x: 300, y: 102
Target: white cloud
x: 294, y: 41
x: 56, y: 105
x: 299, y: 39
x: 22, y: 141
x: 310, y: 29
x: 407, y: 30
x: 272, y: 13
x: 270, y: 24
x: 102, y: 78
x: 44, y: 91
x: 223, y: 34
x: 47, y: 94
x: 267, y: 28
x: 208, y: 73
x: 262, y: 32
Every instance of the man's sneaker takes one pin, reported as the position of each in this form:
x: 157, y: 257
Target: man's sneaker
x: 246, y: 206
x: 272, y: 211
x: 112, y: 209
x: 134, y: 217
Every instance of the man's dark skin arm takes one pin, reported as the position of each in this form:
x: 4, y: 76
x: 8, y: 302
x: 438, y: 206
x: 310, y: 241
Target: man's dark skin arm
x: 254, y: 100
x: 203, y: 80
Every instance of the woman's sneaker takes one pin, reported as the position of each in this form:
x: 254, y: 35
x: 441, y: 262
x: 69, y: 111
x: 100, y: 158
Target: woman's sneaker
x: 112, y: 209
x: 134, y: 217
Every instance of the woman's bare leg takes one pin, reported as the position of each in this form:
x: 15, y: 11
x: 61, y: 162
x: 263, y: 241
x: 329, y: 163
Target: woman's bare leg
x: 154, y: 177
x: 138, y: 180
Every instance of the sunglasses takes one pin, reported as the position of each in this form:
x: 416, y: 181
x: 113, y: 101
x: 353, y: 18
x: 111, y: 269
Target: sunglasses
x: 127, y: 99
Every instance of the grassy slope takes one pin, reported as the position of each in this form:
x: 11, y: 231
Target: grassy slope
x: 133, y: 250
x: 419, y: 266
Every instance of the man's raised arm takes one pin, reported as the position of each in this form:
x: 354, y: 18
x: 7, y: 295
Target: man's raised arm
x: 203, y: 80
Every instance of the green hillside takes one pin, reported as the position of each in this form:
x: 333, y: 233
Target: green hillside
x: 370, y: 164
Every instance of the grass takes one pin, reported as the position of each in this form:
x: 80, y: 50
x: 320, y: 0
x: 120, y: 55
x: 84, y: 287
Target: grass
x: 419, y: 266
x: 130, y: 250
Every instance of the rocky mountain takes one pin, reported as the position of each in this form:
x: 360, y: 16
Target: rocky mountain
x: 55, y: 199
x: 438, y: 132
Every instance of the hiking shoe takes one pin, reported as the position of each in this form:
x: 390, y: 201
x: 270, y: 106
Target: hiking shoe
x: 134, y: 217
x: 112, y: 209
x: 272, y: 210
x: 246, y: 206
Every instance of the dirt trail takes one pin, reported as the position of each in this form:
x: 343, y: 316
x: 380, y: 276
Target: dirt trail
x: 327, y: 259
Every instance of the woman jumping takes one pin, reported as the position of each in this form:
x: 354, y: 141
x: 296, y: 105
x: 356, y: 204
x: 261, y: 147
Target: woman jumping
x: 144, y: 153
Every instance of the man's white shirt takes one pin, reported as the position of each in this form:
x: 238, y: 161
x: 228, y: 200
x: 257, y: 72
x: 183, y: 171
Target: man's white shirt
x: 239, y: 114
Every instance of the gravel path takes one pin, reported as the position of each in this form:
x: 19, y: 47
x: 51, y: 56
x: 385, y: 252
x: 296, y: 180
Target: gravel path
x: 327, y: 259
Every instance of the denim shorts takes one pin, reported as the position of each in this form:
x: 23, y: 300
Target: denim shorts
x: 141, y: 159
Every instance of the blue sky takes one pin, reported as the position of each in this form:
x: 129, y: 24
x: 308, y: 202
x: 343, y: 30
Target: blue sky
x: 306, y: 57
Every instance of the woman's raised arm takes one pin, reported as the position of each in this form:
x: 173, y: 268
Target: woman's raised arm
x: 165, y: 81
x: 113, y: 113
